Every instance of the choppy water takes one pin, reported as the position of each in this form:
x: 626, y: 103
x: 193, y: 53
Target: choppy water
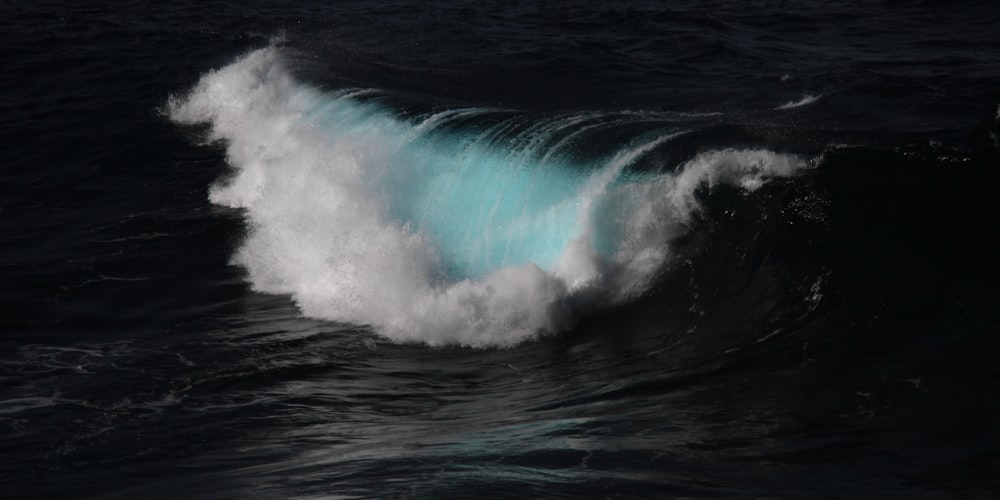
x: 385, y: 249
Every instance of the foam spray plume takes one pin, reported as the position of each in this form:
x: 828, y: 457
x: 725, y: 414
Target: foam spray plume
x: 432, y: 231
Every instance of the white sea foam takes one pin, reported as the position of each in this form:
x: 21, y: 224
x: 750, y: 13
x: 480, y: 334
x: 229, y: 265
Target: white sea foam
x: 805, y: 101
x: 427, y: 236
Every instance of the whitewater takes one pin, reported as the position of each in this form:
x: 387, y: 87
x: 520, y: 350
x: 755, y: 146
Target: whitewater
x: 465, y: 225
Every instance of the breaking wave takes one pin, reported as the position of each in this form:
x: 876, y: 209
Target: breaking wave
x: 471, y: 226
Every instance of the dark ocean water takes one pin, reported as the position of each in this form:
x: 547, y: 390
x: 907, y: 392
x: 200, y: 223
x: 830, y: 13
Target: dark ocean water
x: 576, y: 249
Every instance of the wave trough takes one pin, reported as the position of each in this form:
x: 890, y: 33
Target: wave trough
x: 466, y: 226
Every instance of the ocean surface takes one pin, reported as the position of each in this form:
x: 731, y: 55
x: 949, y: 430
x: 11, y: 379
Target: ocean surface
x: 396, y: 249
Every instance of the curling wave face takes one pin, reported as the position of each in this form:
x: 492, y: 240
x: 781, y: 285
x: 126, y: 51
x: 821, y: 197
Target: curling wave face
x: 433, y: 230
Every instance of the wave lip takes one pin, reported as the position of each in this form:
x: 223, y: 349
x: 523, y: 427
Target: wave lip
x: 431, y: 231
